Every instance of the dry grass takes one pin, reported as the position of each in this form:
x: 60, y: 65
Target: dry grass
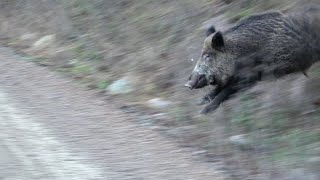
x: 153, y: 42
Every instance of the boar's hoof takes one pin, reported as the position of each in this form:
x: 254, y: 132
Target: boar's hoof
x: 209, y: 108
x: 204, y: 111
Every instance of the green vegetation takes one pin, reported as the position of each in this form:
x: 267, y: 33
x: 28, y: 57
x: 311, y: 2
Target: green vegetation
x: 244, y: 114
x: 83, y: 54
x: 43, y: 61
x: 82, y: 69
x: 82, y: 7
x: 296, y: 147
x: 180, y: 116
x: 315, y: 71
x: 288, y: 144
x: 103, y: 84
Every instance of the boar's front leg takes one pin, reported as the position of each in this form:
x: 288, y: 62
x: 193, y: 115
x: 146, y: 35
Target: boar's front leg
x: 224, y: 94
x: 209, y: 97
x: 236, y: 84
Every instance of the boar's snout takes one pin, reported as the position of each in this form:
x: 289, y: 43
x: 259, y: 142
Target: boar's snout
x: 196, y: 81
x: 190, y: 84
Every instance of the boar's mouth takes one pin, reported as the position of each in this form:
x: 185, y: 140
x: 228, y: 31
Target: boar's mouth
x: 196, y: 81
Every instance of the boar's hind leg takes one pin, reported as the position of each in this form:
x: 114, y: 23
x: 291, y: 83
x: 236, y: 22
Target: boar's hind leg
x: 221, y: 97
x: 209, y: 97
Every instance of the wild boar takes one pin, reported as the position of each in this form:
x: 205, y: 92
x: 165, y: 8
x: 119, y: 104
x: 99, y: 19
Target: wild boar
x: 262, y: 45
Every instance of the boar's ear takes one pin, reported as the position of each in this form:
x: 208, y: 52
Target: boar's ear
x: 210, y: 31
x: 217, y: 41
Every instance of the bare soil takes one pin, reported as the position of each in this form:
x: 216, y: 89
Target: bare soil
x: 85, y: 124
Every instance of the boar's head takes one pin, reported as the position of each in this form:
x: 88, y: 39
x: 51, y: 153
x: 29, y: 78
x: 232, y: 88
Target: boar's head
x: 215, y: 65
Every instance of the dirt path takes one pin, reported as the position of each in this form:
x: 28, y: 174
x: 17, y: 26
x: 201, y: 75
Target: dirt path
x: 52, y: 129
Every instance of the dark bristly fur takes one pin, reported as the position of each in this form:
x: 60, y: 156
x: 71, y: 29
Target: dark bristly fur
x: 264, y: 45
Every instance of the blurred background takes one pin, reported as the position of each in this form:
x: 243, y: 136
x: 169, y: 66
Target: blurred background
x: 137, y: 54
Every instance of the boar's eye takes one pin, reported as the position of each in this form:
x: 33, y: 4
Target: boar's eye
x: 207, y: 57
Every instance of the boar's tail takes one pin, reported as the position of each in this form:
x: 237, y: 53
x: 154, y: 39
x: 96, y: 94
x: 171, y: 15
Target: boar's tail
x: 312, y: 20
x: 313, y: 13
x: 307, y: 18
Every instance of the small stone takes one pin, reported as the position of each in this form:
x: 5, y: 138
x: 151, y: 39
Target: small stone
x: 28, y: 37
x: 159, y: 103
x: 243, y: 141
x: 197, y: 153
x: 121, y: 86
x: 44, y: 42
